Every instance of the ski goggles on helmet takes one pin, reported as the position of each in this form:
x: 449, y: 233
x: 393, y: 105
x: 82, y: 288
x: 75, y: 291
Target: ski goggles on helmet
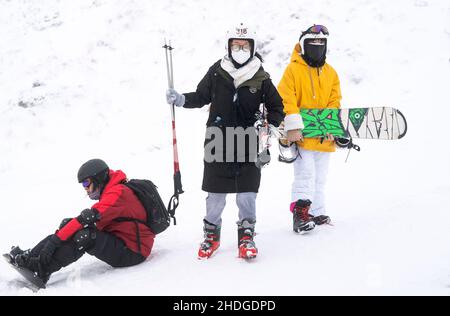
x: 86, y: 183
x: 317, y: 29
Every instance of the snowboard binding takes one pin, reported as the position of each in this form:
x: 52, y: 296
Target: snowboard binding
x: 17, y: 259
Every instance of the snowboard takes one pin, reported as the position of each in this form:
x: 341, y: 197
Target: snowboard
x: 385, y: 123
x: 27, y: 274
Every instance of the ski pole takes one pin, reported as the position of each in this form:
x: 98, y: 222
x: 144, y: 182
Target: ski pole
x: 178, y: 189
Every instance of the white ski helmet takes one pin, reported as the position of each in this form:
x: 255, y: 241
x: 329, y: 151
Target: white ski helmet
x: 313, y: 43
x: 241, y: 31
x: 313, y: 32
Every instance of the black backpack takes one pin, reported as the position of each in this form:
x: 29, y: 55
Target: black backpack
x: 158, y: 218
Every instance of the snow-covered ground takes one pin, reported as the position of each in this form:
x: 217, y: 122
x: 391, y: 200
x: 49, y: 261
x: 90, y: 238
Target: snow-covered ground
x: 84, y: 79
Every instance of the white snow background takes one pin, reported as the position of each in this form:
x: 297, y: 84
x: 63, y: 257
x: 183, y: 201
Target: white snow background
x: 85, y: 79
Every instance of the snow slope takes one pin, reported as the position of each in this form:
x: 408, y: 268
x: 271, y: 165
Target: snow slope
x: 84, y: 79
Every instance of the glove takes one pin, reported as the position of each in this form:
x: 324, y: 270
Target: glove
x: 173, y: 97
x: 88, y: 217
x: 47, y: 252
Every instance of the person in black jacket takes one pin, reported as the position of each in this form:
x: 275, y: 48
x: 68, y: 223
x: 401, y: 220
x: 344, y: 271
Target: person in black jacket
x: 235, y: 86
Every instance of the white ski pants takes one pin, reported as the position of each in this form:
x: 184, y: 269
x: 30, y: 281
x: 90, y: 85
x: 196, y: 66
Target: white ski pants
x: 215, y: 204
x: 310, y: 175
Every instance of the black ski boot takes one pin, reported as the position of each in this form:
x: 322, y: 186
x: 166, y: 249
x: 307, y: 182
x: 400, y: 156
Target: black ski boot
x: 302, y: 220
x: 211, y: 242
x: 246, y: 244
x: 28, y: 266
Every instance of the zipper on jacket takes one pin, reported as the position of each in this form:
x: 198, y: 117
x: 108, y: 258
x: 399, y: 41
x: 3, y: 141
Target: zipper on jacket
x: 312, y: 83
x: 236, y: 106
x: 319, y: 71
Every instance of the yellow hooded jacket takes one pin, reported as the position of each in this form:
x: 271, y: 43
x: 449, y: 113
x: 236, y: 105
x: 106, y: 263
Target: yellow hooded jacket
x: 305, y: 87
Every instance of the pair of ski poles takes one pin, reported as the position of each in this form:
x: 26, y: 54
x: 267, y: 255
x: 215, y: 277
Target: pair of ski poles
x: 178, y: 189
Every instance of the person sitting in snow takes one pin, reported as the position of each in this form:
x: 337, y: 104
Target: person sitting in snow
x: 235, y: 86
x: 95, y: 230
x: 309, y: 83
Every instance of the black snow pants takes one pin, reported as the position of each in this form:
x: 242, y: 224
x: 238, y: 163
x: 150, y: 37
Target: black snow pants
x: 106, y: 247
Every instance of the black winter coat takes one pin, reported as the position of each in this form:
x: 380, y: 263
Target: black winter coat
x: 231, y: 107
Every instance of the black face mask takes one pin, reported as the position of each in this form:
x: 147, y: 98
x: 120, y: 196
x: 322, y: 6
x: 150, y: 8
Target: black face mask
x: 98, y: 190
x: 95, y: 195
x: 315, y: 55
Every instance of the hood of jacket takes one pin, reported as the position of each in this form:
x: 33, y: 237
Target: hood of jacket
x: 115, y: 178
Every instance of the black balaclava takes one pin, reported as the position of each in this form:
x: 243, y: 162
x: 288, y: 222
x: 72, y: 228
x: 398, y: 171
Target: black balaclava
x: 314, y: 54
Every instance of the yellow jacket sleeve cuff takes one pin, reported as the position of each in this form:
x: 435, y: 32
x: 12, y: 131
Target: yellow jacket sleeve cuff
x: 292, y: 122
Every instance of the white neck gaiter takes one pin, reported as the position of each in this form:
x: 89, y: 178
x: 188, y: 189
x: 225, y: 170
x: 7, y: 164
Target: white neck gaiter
x: 243, y: 74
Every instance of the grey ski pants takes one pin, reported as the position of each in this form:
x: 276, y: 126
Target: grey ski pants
x: 215, y: 204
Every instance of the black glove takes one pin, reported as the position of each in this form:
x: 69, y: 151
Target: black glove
x: 88, y: 217
x: 47, y: 252
x: 64, y: 223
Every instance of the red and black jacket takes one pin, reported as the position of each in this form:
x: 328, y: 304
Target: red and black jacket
x: 118, y: 201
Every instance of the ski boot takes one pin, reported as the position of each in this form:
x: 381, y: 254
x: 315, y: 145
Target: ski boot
x: 211, y: 242
x: 246, y: 244
x: 320, y: 219
x: 302, y: 221
x: 28, y: 266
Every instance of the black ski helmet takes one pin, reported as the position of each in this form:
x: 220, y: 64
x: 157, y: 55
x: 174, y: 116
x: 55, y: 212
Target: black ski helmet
x: 96, y: 169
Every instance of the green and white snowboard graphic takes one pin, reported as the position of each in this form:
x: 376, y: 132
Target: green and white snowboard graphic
x: 369, y: 123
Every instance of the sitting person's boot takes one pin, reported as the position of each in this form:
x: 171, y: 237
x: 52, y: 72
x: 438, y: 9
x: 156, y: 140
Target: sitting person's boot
x: 24, y: 260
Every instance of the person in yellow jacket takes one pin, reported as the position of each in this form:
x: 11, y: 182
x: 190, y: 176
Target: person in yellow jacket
x: 309, y: 83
